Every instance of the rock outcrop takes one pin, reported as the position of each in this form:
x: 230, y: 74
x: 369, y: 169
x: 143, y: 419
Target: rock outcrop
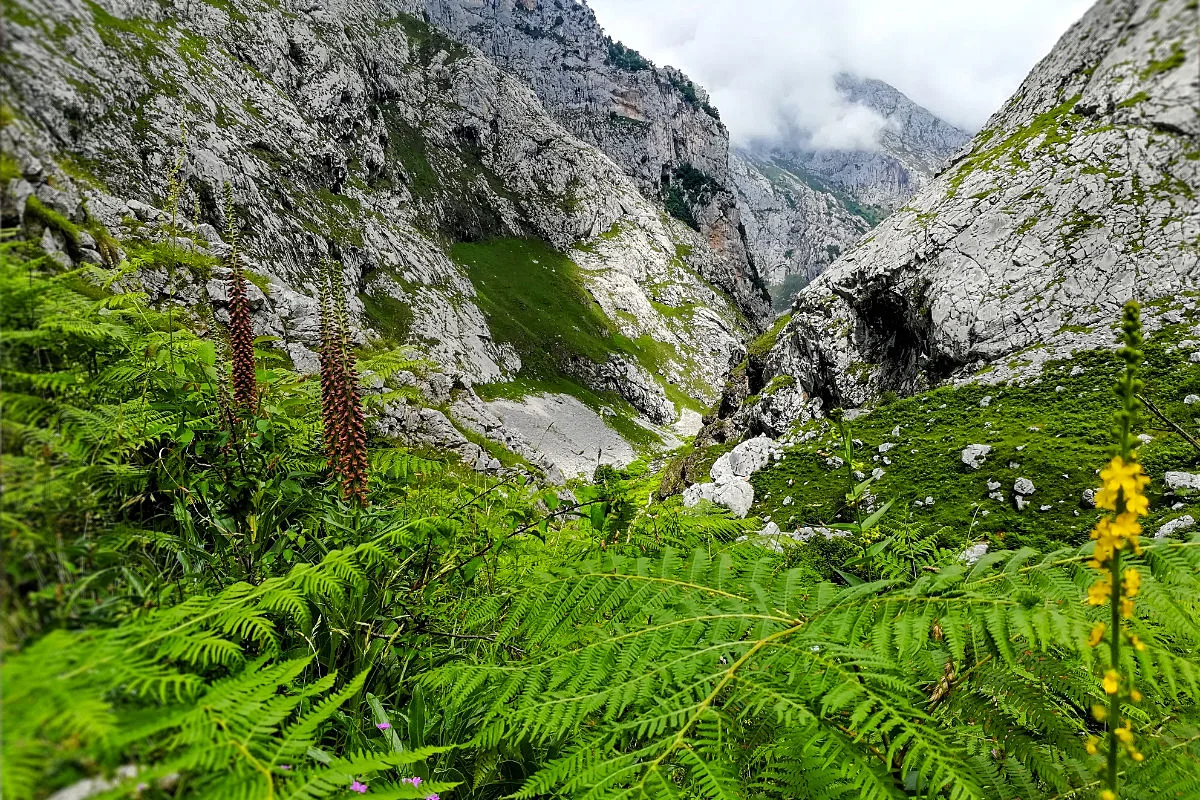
x: 803, y: 207
x: 354, y: 131
x: 794, y: 227
x: 1079, y: 194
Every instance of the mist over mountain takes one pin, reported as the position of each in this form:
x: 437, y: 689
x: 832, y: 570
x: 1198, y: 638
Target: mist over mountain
x: 804, y: 202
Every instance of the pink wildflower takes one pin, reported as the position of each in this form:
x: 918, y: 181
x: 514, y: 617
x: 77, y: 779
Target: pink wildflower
x: 361, y: 788
x: 285, y: 766
x: 415, y: 780
x: 433, y: 797
x: 383, y: 726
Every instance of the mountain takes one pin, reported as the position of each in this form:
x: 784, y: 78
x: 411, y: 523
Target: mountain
x: 802, y: 207
x: 520, y: 243
x: 914, y: 145
x: 1078, y: 194
x: 654, y: 122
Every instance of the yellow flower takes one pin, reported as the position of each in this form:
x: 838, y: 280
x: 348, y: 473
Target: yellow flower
x: 1091, y: 745
x: 1124, y: 734
x: 1097, y: 634
x: 1137, y: 643
x: 1099, y: 593
x: 1138, y: 504
x: 1126, y: 526
x: 1126, y: 608
x: 1123, y: 476
x: 1132, y: 582
x: 1135, y: 696
x: 1099, y: 712
x: 1108, y: 794
x: 1136, y: 756
x: 1111, y: 682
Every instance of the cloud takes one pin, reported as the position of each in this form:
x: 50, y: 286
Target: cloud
x: 769, y: 64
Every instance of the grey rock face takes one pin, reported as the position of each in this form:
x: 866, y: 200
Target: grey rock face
x: 1079, y: 194
x: 973, y: 553
x: 652, y: 121
x: 730, y: 486
x: 803, y: 207
x: 1186, y: 522
x: 914, y: 145
x: 1185, y: 481
x: 792, y: 227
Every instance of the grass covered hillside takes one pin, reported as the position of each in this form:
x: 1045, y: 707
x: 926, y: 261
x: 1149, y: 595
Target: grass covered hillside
x: 1044, y: 429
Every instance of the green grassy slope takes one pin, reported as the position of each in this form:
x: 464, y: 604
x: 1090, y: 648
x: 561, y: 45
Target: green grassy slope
x: 1053, y: 432
x: 535, y: 299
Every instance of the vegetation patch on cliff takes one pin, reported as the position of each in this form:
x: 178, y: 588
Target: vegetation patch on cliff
x: 535, y: 299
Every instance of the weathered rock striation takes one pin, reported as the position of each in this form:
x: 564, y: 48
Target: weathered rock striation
x: 1079, y: 194
x: 352, y: 131
x: 793, y: 226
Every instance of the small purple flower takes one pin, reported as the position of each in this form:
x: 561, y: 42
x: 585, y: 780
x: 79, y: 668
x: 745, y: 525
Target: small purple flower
x: 383, y: 726
x: 433, y: 797
x: 415, y: 780
x: 361, y: 788
x: 285, y: 766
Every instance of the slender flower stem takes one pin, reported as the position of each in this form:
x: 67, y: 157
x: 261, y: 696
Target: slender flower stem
x: 1114, y: 700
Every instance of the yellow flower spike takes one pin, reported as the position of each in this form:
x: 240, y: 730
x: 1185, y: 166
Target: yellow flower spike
x: 1136, y: 756
x: 1099, y: 592
x: 1108, y: 794
x: 1111, y: 682
x: 1137, y: 643
x: 1135, y: 696
x: 1092, y: 745
x: 1099, y: 712
x: 1097, y: 634
x: 1132, y: 583
x: 1125, y: 735
x: 1127, y: 608
x: 1119, y: 476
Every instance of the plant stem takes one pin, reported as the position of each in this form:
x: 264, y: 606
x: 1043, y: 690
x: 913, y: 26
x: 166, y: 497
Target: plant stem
x: 1114, y: 701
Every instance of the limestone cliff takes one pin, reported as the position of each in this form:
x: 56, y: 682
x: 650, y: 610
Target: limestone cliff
x: 354, y: 131
x: 1078, y: 194
x: 654, y: 122
x: 795, y: 225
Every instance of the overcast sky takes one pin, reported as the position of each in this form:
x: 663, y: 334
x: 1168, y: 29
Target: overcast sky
x: 769, y: 63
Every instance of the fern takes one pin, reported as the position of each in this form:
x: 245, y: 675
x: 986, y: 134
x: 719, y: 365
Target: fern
x: 655, y: 667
